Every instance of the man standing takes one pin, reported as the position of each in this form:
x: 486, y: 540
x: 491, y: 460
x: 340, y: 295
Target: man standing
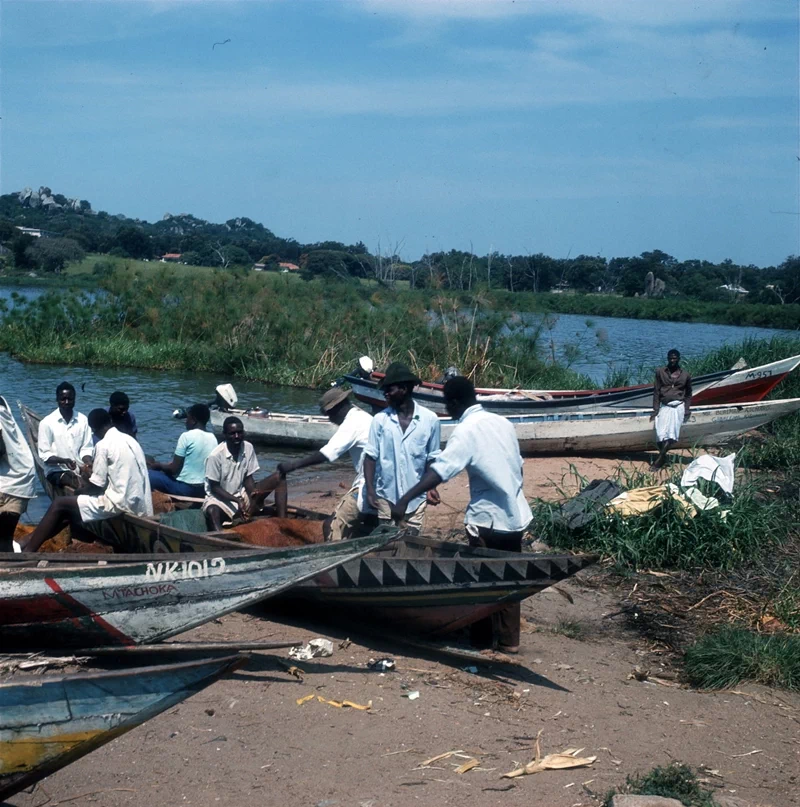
x: 118, y: 484
x: 351, y: 436
x: 672, y: 400
x: 486, y: 446
x: 17, y: 476
x: 185, y: 475
x: 229, y: 484
x: 404, y: 440
x: 65, y: 440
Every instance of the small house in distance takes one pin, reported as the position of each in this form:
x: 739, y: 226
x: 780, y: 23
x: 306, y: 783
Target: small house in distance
x: 171, y: 257
x: 286, y: 266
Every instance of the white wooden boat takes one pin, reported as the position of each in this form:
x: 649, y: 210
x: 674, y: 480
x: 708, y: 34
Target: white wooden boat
x: 603, y: 431
x: 723, y: 387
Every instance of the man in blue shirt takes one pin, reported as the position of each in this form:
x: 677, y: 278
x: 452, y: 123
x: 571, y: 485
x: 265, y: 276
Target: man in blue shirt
x: 404, y: 440
x: 486, y: 446
x: 185, y: 475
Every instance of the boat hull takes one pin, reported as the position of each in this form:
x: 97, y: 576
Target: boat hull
x: 46, y: 723
x: 146, y: 599
x: 608, y: 430
x: 723, y: 387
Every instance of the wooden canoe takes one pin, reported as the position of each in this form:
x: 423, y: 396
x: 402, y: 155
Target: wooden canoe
x: 56, y: 601
x: 434, y: 587
x: 608, y: 430
x: 48, y: 722
x: 722, y: 387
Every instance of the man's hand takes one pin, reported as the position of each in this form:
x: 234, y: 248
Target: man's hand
x: 86, y: 470
x: 70, y: 464
x: 432, y: 497
x: 372, y: 500
x: 686, y: 417
x: 653, y: 416
x: 398, y: 512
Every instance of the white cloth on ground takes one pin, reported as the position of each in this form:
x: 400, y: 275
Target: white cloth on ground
x: 119, y: 468
x: 59, y: 438
x: 487, y: 446
x: 715, y: 469
x: 17, y: 471
x: 351, y: 436
x: 669, y: 421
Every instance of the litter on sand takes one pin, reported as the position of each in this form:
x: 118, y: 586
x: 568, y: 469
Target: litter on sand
x: 413, y: 695
x: 468, y: 765
x: 316, y: 648
x: 304, y: 699
x: 381, y: 664
x: 552, y: 762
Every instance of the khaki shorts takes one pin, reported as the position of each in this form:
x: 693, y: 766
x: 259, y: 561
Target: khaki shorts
x: 346, y: 517
x: 13, y: 504
x: 415, y: 520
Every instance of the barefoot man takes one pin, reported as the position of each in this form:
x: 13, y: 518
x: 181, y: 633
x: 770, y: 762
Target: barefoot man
x: 486, y: 446
x: 672, y: 399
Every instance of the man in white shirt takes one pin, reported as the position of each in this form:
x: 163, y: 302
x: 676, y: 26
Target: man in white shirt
x: 118, y: 484
x: 351, y: 436
x: 17, y: 475
x: 65, y: 440
x: 231, y: 490
x: 498, y: 513
x: 404, y: 440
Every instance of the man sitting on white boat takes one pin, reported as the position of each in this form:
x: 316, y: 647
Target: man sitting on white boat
x: 404, y: 440
x: 485, y: 445
x: 672, y: 399
x: 351, y: 437
x: 231, y: 490
x: 118, y: 484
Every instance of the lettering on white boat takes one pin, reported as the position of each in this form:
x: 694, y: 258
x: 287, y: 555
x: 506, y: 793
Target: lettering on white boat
x: 185, y: 569
x: 758, y: 374
x: 126, y: 592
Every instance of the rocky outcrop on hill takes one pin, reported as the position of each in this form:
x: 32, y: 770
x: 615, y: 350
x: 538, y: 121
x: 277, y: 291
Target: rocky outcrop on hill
x: 44, y: 199
x: 654, y: 286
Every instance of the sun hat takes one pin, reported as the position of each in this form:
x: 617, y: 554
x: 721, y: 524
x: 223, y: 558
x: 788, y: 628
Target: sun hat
x: 398, y: 373
x: 332, y: 398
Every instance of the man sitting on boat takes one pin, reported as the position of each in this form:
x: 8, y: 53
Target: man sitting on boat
x: 486, y: 446
x: 185, y: 474
x: 118, y: 484
x: 672, y: 399
x: 123, y: 420
x: 17, y: 475
x: 351, y: 436
x: 65, y: 440
x: 404, y: 440
x: 230, y: 487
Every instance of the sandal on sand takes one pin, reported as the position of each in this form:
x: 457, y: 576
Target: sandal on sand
x: 508, y: 649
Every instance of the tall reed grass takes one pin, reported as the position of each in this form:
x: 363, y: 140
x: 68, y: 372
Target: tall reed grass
x: 269, y: 328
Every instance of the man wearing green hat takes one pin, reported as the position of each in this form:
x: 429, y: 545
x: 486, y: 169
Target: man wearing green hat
x: 403, y: 441
x: 351, y: 436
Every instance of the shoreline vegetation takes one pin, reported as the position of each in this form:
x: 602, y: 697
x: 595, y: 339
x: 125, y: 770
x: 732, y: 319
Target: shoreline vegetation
x: 84, y: 274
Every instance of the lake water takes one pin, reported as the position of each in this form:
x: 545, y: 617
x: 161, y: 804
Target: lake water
x: 608, y: 343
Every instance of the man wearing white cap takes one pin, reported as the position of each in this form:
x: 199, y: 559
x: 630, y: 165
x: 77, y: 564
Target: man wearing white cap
x: 17, y: 476
x: 351, y: 436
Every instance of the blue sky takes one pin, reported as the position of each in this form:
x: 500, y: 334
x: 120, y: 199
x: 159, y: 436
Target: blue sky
x: 603, y: 127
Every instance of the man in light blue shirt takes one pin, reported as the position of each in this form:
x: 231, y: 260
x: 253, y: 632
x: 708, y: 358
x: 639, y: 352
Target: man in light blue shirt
x: 498, y: 513
x: 185, y: 475
x: 404, y: 440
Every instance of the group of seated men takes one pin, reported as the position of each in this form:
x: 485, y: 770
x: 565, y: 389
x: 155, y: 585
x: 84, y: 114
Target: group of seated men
x: 98, y: 462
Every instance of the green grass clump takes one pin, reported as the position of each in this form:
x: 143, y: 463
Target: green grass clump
x: 731, y: 655
x: 568, y: 628
x: 675, y: 781
x: 667, y: 538
x: 786, y: 607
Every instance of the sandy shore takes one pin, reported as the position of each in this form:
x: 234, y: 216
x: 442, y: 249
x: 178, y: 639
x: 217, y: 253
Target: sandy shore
x: 245, y: 741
